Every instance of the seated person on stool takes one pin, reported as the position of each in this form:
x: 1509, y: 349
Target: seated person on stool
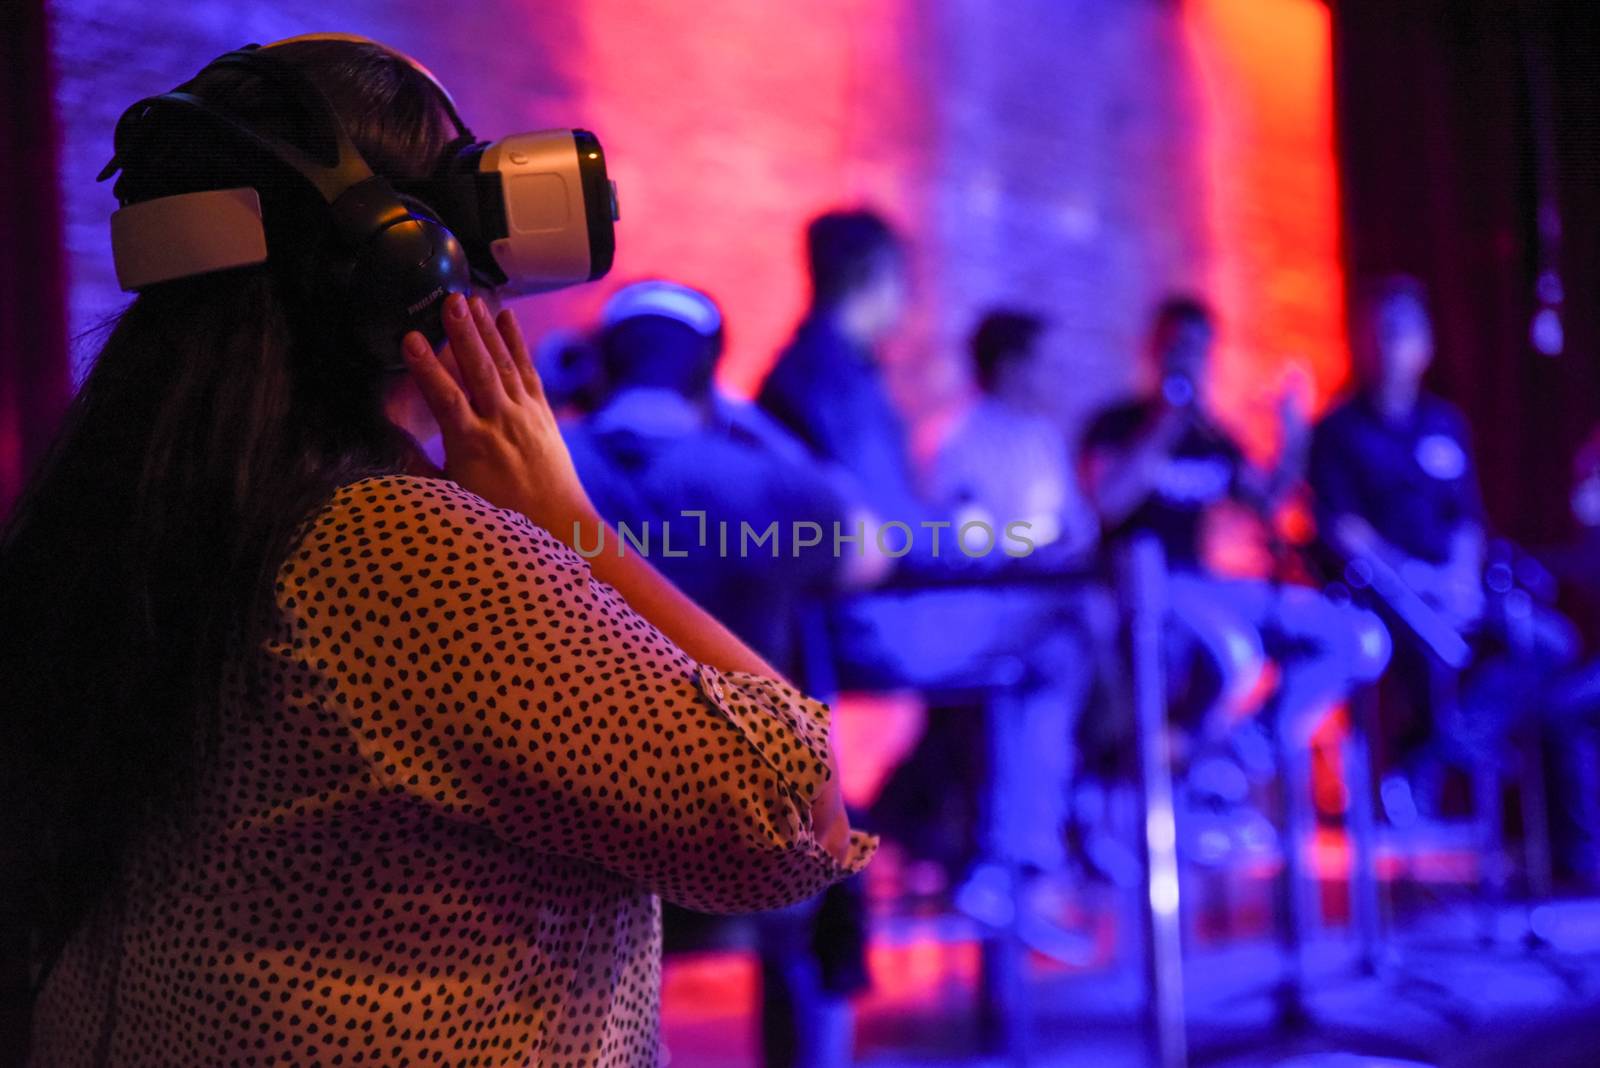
x: 1157, y: 466
x: 1007, y: 459
x: 1396, y: 489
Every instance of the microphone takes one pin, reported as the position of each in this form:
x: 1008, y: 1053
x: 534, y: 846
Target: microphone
x: 1178, y: 390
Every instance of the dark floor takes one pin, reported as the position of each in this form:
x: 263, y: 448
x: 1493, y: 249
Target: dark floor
x: 1444, y: 994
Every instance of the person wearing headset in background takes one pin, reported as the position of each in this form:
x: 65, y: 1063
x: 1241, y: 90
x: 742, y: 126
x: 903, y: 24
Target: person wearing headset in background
x: 321, y: 752
x: 666, y: 442
x: 668, y: 454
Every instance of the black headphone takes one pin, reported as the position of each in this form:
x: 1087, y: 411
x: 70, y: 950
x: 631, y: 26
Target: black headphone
x: 393, y: 261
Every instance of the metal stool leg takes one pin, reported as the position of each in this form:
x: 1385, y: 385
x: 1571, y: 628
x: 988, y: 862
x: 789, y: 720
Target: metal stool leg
x: 1486, y: 802
x: 1299, y: 897
x: 1004, y: 1011
x: 1145, y: 581
x: 1366, y: 903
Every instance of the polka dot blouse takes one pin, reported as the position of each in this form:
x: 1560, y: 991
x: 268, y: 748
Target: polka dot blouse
x: 450, y: 791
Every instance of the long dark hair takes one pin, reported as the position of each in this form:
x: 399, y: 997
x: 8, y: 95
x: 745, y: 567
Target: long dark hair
x: 138, y: 565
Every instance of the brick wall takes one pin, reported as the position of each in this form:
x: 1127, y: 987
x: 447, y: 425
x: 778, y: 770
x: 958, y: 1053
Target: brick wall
x: 1076, y: 156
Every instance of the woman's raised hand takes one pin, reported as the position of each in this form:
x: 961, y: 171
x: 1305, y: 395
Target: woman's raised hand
x: 501, y: 440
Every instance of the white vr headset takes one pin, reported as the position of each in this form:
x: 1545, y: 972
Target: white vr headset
x: 532, y: 212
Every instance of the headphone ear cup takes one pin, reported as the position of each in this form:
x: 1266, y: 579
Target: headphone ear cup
x: 398, y: 279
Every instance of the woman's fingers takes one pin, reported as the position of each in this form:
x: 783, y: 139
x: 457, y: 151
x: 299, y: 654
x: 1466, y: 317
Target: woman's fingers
x: 478, y: 371
x: 510, y: 377
x: 447, y: 358
x: 438, y: 387
x: 517, y: 346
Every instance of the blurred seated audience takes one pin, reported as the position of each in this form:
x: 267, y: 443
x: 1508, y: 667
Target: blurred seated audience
x: 1006, y: 460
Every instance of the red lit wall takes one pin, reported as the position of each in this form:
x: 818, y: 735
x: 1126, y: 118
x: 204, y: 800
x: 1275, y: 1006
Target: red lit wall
x: 1269, y: 197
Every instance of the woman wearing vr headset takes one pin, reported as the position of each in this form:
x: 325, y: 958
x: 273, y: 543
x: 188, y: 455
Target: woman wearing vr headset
x: 323, y: 754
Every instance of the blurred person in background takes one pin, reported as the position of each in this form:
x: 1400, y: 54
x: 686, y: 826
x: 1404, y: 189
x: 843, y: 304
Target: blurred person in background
x: 928, y: 628
x: 1007, y: 459
x: 1157, y: 466
x: 665, y: 442
x: 1396, y: 489
x: 827, y: 386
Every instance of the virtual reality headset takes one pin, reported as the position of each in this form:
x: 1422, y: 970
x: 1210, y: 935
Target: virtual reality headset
x: 527, y: 213
x: 535, y: 211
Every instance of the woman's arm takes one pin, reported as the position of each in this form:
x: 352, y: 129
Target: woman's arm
x: 704, y: 638
x: 653, y: 596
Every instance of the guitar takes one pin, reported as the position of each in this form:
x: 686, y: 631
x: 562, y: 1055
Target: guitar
x: 1423, y: 613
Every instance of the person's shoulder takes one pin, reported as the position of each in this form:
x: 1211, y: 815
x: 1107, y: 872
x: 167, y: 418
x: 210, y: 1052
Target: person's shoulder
x: 993, y: 423
x: 718, y: 467
x: 408, y: 515
x: 799, y: 388
x: 406, y: 495
x: 612, y: 467
x: 782, y: 380
x: 747, y: 423
x: 592, y: 451
x: 705, y: 451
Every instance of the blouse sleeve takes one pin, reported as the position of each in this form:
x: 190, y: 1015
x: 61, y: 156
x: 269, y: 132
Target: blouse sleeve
x: 484, y: 671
